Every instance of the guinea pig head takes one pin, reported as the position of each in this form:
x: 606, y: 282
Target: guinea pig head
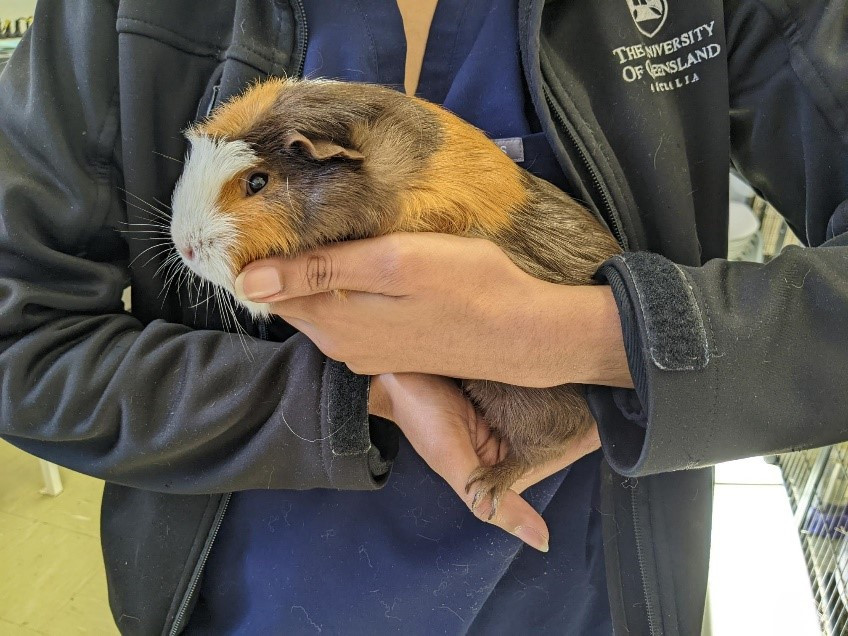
x: 258, y: 183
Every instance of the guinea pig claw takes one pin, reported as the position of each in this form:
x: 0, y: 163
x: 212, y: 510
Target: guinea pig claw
x: 469, y: 483
x: 478, y: 497
x: 496, y: 500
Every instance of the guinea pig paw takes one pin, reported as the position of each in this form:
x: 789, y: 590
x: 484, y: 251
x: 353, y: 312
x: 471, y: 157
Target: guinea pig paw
x: 485, y: 489
x: 491, y: 482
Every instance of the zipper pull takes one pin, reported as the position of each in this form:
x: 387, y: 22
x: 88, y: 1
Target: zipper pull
x: 213, y: 101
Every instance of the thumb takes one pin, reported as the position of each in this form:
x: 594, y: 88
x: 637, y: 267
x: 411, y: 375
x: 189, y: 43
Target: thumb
x: 455, y: 464
x: 366, y: 265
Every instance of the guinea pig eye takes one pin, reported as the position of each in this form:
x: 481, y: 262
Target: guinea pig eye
x: 256, y: 182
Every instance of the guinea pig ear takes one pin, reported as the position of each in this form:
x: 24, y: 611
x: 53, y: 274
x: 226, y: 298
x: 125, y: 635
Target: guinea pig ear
x: 321, y: 149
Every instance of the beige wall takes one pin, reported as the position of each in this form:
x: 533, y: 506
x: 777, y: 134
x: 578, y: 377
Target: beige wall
x: 16, y: 8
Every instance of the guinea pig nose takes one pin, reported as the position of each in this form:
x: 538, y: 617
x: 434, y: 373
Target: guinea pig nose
x: 187, y: 252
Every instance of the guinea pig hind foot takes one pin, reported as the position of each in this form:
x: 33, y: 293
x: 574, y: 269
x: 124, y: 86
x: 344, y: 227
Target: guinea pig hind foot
x: 491, y: 482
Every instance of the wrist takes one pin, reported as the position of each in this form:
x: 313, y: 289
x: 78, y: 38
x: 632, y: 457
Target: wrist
x: 379, y: 398
x: 583, y: 332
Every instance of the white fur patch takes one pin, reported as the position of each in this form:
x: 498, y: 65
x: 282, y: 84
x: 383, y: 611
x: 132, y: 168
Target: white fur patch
x: 257, y: 310
x: 196, y: 221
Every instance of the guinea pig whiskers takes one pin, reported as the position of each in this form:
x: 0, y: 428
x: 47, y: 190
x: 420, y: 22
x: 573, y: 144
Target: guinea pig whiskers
x: 213, y: 289
x: 161, y: 233
x: 156, y: 255
x: 193, y: 280
x: 163, y: 215
x: 164, y: 244
x: 168, y: 157
x: 149, y: 222
x: 204, y: 284
x: 169, y: 269
x: 240, y: 331
x: 201, y: 302
x: 151, y: 215
x: 224, y: 315
x: 184, y: 277
x: 172, y: 258
x: 170, y: 276
x: 165, y: 206
x: 154, y: 223
x: 225, y: 302
x: 146, y: 231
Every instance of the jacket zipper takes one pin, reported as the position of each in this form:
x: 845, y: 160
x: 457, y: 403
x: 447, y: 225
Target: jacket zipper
x: 214, y: 100
x: 650, y: 611
x: 302, y: 32
x: 201, y: 564
x: 608, y: 214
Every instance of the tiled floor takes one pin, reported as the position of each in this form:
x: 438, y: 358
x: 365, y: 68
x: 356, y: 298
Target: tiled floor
x: 51, y: 572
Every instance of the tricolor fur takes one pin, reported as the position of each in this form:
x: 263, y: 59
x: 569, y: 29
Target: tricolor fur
x: 348, y: 161
x: 423, y: 169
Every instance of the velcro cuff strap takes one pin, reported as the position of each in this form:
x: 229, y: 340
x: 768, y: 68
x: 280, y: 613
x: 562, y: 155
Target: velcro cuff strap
x: 669, y: 316
x: 347, y: 410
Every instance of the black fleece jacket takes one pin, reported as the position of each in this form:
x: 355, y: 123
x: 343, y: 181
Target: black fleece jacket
x: 646, y: 110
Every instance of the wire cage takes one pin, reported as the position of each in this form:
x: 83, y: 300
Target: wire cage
x: 11, y: 31
x: 776, y: 233
x: 14, y: 28
x: 817, y: 485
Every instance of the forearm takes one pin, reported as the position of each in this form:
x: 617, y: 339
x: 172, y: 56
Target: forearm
x: 156, y: 406
x: 170, y: 409
x: 730, y: 359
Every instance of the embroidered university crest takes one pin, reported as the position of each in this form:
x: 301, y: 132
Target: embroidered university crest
x: 649, y: 15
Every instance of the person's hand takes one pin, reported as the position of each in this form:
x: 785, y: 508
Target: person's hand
x: 445, y: 429
x: 443, y: 305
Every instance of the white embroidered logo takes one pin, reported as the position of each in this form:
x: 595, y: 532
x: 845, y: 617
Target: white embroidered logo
x: 649, y: 15
x: 671, y: 63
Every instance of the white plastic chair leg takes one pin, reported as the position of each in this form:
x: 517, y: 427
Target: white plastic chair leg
x: 52, y: 480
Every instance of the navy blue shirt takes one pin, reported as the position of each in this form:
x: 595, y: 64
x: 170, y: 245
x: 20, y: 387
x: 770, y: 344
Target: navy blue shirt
x: 411, y: 558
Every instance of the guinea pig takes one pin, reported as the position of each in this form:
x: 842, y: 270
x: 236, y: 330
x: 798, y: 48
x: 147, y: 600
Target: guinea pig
x: 291, y: 165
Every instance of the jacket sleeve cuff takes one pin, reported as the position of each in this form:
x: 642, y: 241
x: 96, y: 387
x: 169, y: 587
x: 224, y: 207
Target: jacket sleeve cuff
x: 661, y: 326
x: 358, y: 449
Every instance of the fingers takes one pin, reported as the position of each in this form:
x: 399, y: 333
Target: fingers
x: 517, y: 517
x: 447, y: 432
x: 514, y: 514
x: 332, y: 307
x: 333, y: 325
x: 368, y: 265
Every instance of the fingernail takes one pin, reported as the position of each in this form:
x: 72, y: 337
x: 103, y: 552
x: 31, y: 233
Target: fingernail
x: 259, y: 283
x: 532, y: 537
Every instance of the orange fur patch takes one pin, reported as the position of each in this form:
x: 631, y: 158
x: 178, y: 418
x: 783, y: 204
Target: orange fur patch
x: 269, y: 233
x: 241, y: 113
x: 483, y: 189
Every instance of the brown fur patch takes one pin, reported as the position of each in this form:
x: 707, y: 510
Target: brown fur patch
x: 242, y: 113
x: 554, y: 238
